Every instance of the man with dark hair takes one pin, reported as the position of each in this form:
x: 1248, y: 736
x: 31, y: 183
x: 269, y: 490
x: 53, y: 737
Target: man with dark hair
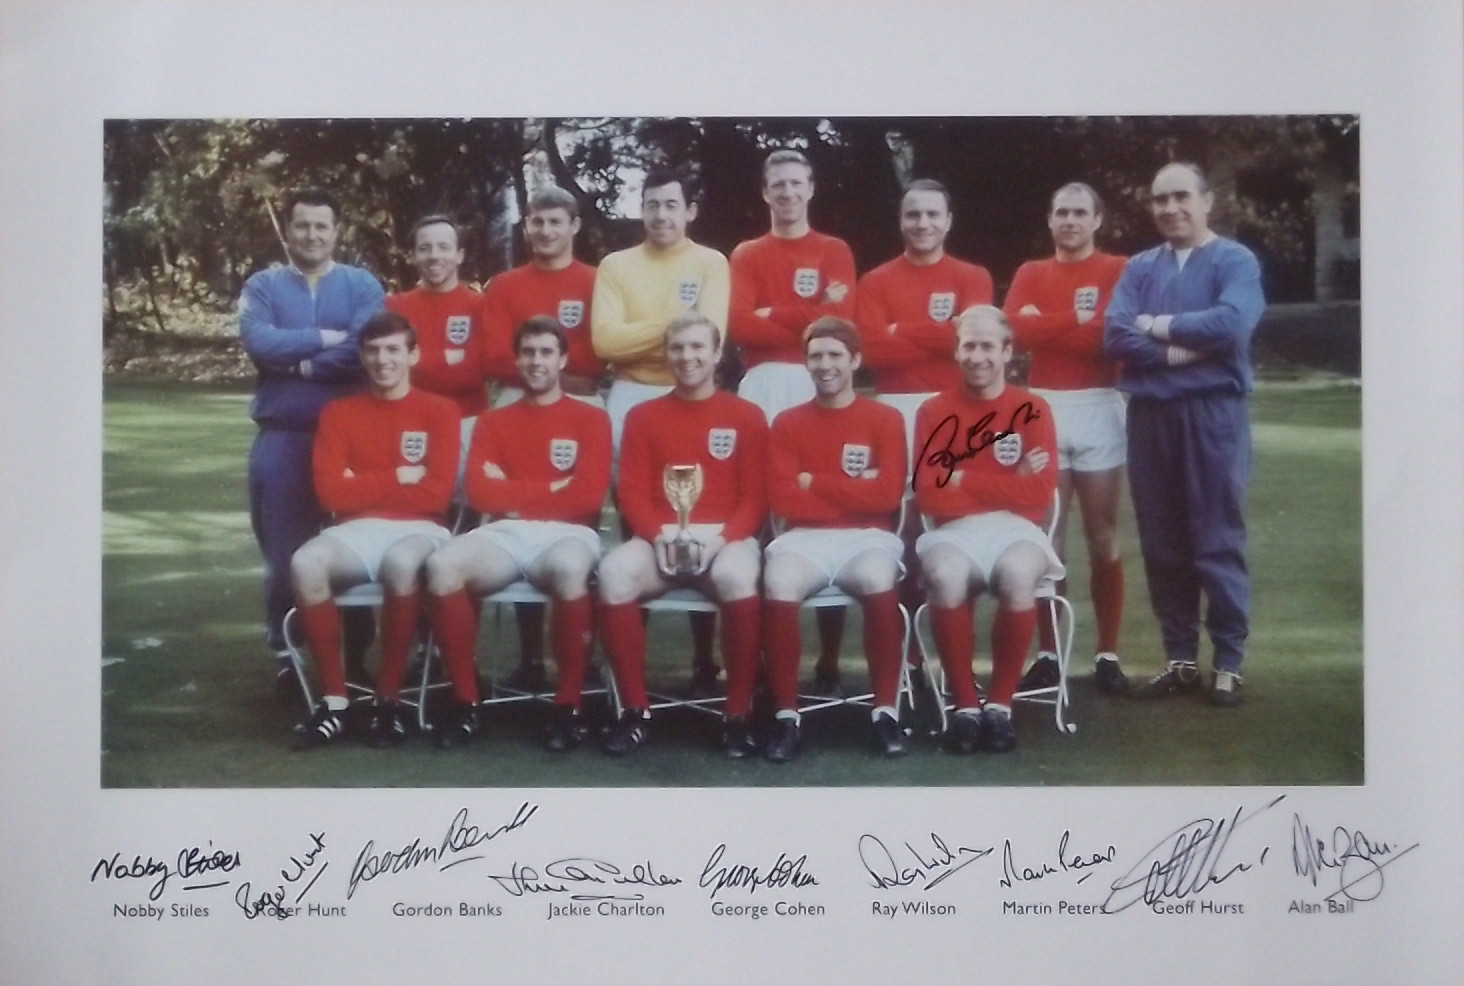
x: 985, y: 474
x: 540, y: 468
x: 836, y: 475
x: 906, y: 308
x: 383, y: 463
x: 300, y: 323
x: 906, y: 311
x: 555, y: 285
x: 1181, y: 322
x: 637, y: 293
x: 781, y: 283
x: 725, y: 439
x: 1056, y: 308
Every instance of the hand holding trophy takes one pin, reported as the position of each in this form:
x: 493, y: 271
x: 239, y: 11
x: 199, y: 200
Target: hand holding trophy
x: 683, y: 486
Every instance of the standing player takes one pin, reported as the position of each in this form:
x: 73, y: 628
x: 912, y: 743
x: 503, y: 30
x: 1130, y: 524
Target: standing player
x: 384, y: 464
x: 726, y: 437
x: 906, y: 311
x: 781, y: 282
x: 906, y: 308
x: 444, y: 313
x: 554, y: 284
x: 540, y: 466
x: 985, y: 474
x: 1056, y: 309
x: 1181, y: 322
x: 300, y: 324
x: 836, y: 475
x: 640, y: 290
x: 637, y: 293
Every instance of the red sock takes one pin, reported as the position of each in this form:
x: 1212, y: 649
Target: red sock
x: 783, y: 644
x: 398, y: 630
x: 322, y: 626
x: 455, y: 624
x: 1107, y: 590
x: 884, y: 630
x: 955, y: 639
x: 741, y: 645
x: 572, y: 630
x: 624, y: 637
x: 1011, y: 635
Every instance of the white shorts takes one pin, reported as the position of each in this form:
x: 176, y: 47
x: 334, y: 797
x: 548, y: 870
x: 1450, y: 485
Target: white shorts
x: 525, y: 540
x: 369, y: 538
x: 624, y: 395
x: 907, y: 405
x: 1090, y: 428
x: 776, y: 387
x: 983, y: 538
x: 830, y: 549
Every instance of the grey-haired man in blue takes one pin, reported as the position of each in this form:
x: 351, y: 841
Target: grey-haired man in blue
x: 1181, y: 322
x: 301, y: 324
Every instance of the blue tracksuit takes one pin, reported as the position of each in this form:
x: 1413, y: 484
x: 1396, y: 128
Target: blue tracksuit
x: 1189, y: 436
x: 280, y: 318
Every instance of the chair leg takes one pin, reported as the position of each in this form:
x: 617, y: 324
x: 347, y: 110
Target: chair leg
x: 292, y: 644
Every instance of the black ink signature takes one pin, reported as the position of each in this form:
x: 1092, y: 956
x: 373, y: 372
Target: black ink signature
x: 1010, y: 875
x: 460, y: 837
x: 1352, y: 854
x: 270, y: 904
x: 880, y: 863
x: 191, y: 862
x: 581, y: 873
x: 784, y: 873
x: 1187, y: 861
x: 978, y: 436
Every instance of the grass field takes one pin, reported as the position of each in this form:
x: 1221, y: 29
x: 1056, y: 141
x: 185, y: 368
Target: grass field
x: 187, y: 696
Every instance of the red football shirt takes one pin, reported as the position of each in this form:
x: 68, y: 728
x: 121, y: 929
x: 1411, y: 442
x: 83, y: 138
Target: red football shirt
x: 834, y: 446
x: 1066, y: 355
x: 922, y: 302
x: 450, y: 339
x: 537, y: 445
x: 519, y: 294
x: 788, y: 276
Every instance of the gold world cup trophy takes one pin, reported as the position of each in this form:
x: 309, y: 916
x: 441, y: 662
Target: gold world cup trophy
x: 683, y: 487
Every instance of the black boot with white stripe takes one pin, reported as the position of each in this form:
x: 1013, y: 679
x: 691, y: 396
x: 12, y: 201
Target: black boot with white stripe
x: 325, y: 726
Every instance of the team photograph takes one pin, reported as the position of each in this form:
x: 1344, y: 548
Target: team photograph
x: 701, y: 452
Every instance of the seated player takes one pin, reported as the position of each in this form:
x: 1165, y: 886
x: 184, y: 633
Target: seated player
x: 836, y: 475
x: 726, y: 437
x: 985, y: 473
x: 540, y: 467
x: 384, y: 463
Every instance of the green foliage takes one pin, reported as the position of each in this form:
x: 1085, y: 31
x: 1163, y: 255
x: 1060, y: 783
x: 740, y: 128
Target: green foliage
x: 192, y: 205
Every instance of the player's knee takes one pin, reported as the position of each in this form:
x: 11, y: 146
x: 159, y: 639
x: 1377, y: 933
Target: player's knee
x: 868, y: 576
x: 401, y: 572
x: 1103, y: 542
x: 734, y: 580
x: 309, y: 571
x: 569, y: 576
x: 442, y: 575
x: 946, y: 574
x: 618, y: 578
